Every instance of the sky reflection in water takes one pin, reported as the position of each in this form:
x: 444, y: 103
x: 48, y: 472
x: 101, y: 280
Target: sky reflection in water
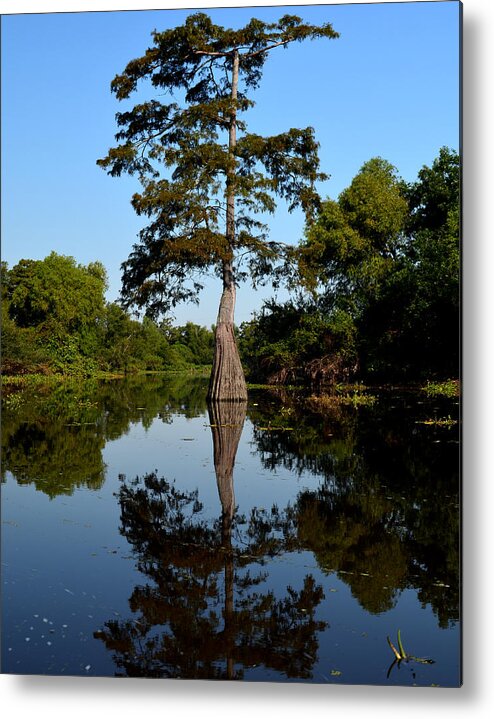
x: 189, y: 572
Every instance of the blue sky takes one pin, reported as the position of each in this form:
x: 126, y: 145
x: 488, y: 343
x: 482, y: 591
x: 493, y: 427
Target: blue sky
x: 388, y: 86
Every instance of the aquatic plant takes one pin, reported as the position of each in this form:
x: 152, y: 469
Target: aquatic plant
x: 402, y: 656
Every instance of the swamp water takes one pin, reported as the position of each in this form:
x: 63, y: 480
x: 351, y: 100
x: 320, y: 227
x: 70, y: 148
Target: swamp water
x: 144, y: 534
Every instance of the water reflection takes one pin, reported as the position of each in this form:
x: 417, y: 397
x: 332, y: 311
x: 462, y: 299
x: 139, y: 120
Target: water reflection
x: 373, y: 497
x: 203, y: 613
x: 386, y: 516
x: 56, y: 436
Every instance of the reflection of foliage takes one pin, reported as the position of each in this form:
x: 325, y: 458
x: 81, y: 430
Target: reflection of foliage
x: 143, y: 398
x: 355, y: 535
x: 55, y: 457
x: 188, y: 625
x: 54, y: 437
x: 386, y: 517
x: 315, y: 440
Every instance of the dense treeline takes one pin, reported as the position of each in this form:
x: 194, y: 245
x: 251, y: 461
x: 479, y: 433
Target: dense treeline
x: 380, y: 273
x: 55, y: 319
x: 375, y: 288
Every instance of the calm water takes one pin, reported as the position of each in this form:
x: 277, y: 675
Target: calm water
x: 145, y: 535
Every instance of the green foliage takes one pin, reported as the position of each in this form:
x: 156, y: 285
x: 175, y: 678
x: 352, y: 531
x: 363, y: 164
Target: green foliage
x: 55, y: 320
x: 66, y: 356
x: 194, y: 343
x: 436, y: 193
x: 448, y: 388
x: 193, y: 168
x: 356, y: 398
x: 51, y: 310
x: 354, y: 243
x: 416, y: 322
x: 56, y: 295
x: 297, y: 342
x: 433, y: 314
x: 20, y: 350
x: 382, y: 265
x: 375, y: 208
x: 346, y: 261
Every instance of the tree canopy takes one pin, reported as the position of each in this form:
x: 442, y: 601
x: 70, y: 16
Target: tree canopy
x: 382, y: 267
x: 56, y: 292
x: 55, y: 319
x: 203, y: 188
x: 187, y: 234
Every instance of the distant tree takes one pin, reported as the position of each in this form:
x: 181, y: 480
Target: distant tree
x: 199, y: 342
x: 436, y: 193
x: 60, y: 302
x: 296, y: 342
x: 356, y: 240
x: 56, y: 291
x: 128, y: 344
x: 203, y: 209
x: 387, y: 253
x: 433, y: 270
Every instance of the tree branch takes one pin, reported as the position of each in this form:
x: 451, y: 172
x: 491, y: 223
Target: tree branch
x: 267, y: 49
x: 212, y: 54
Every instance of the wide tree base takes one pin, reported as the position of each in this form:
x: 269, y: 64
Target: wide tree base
x: 227, y: 383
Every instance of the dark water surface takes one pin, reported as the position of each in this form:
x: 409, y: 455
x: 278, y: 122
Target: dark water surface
x: 144, y: 534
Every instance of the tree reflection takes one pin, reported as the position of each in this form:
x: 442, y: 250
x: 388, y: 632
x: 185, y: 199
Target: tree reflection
x: 227, y: 421
x: 386, y: 516
x: 203, y: 614
x: 358, y: 538
x: 55, y: 437
x: 55, y: 458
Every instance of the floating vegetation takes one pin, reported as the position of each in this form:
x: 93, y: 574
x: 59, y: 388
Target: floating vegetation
x: 229, y: 424
x: 274, y: 387
x: 275, y: 429
x: 439, y: 422
x: 328, y: 401
x: 448, y: 388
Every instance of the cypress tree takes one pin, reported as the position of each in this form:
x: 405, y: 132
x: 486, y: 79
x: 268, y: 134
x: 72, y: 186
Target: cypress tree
x: 204, y: 178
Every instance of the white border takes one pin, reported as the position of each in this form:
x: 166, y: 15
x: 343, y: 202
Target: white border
x: 83, y: 697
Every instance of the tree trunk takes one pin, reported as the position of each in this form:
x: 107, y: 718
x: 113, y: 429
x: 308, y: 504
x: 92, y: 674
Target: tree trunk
x: 227, y: 383
x: 227, y: 421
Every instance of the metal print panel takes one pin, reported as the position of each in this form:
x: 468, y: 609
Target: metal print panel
x: 230, y: 344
